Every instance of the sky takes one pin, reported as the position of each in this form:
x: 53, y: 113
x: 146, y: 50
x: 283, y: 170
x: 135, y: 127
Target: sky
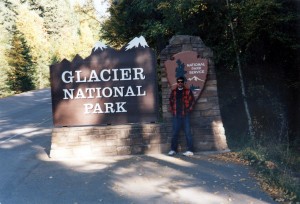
x: 100, y: 5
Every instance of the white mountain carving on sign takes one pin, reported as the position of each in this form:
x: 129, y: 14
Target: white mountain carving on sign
x: 99, y: 45
x: 136, y: 42
x: 194, y: 78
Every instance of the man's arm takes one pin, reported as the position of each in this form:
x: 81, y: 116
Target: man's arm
x: 191, y: 100
x: 171, y: 102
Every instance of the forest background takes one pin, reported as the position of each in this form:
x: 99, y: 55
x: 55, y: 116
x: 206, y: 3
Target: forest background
x: 256, y: 51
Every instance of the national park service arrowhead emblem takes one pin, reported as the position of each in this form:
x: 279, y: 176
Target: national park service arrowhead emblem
x: 188, y: 65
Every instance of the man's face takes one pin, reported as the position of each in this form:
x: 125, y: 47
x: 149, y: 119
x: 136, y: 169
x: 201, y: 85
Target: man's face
x: 180, y: 83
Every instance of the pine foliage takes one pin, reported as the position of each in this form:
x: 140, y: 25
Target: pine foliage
x: 266, y: 40
x: 21, y: 73
x: 47, y: 31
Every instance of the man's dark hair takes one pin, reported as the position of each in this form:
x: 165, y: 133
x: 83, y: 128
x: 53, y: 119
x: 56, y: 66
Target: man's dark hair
x: 181, y: 77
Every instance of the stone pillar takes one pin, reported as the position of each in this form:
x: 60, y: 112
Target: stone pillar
x: 207, y: 127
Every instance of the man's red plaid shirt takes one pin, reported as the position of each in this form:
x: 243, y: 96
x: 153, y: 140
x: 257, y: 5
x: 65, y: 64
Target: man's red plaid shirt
x: 187, y: 101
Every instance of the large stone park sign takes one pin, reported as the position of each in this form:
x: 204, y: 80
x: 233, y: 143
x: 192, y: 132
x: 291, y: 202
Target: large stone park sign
x: 106, y: 104
x: 108, y: 87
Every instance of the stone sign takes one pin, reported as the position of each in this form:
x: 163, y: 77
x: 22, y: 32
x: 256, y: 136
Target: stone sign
x: 108, y: 87
x: 188, y: 65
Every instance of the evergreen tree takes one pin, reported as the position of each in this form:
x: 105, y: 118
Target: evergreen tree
x: 56, y: 16
x: 8, y: 13
x: 7, y: 21
x: 157, y: 20
x: 62, y: 26
x: 35, y: 5
x: 89, y: 27
x: 31, y: 25
x: 179, y: 71
x: 51, y: 30
x: 265, y: 37
x: 20, y: 77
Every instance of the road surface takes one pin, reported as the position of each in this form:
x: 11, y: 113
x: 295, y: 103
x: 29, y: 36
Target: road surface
x: 28, y: 175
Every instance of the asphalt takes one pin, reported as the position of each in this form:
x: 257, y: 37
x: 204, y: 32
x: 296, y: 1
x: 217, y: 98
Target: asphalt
x: 29, y: 175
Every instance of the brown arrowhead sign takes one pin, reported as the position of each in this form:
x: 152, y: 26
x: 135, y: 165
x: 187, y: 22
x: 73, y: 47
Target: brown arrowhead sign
x: 188, y: 65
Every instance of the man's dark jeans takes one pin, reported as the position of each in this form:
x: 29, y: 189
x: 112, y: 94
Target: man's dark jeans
x: 178, y: 123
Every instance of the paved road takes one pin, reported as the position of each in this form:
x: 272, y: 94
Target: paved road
x: 28, y: 175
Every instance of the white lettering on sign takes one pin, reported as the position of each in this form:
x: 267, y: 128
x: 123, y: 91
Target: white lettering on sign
x: 196, y: 68
x: 105, y: 92
x: 138, y: 74
x: 121, y: 74
x: 197, y: 72
x: 201, y: 64
x: 93, y: 77
x: 69, y: 75
x: 104, y: 75
x: 97, y: 108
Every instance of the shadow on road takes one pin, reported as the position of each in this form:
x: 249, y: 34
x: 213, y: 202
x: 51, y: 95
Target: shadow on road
x: 28, y: 175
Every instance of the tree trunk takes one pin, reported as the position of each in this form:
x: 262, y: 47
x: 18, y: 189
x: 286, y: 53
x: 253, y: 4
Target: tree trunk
x: 249, y: 119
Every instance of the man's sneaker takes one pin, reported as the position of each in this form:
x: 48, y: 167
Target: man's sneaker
x: 171, y: 153
x: 188, y: 153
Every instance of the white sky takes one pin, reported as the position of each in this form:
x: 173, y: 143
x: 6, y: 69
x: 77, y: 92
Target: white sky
x: 100, y: 5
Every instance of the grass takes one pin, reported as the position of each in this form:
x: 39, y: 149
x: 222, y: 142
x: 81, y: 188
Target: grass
x: 276, y: 168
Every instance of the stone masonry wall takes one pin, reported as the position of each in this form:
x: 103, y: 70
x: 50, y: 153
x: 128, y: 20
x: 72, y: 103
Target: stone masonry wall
x: 110, y: 140
x: 207, y: 126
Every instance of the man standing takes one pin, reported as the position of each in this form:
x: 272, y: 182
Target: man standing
x: 181, y: 104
